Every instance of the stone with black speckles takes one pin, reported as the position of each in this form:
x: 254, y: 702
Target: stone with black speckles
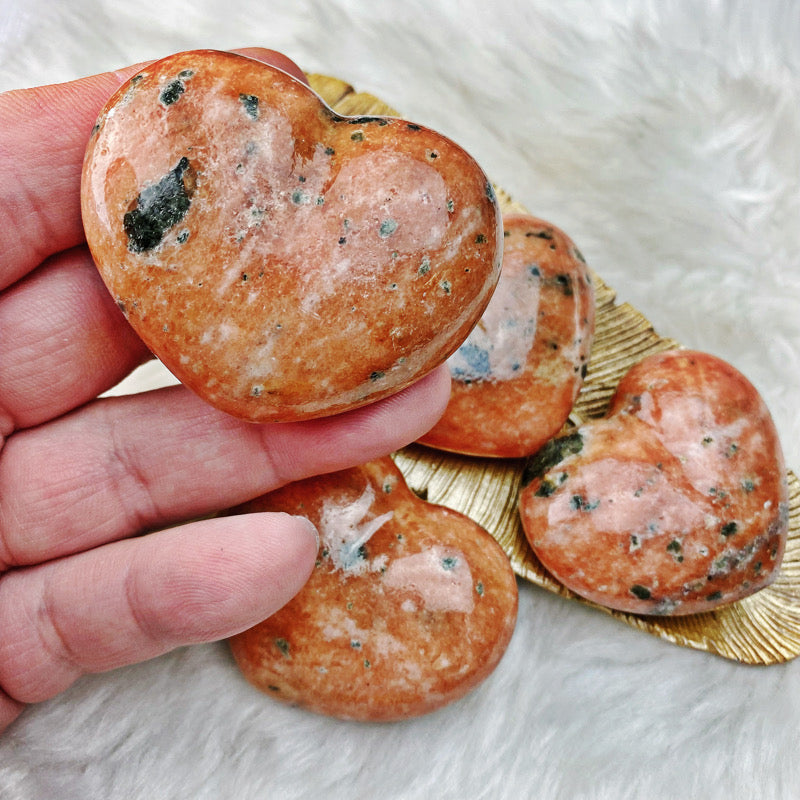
x: 518, y: 374
x: 674, y: 503
x: 420, y: 595
x: 208, y: 166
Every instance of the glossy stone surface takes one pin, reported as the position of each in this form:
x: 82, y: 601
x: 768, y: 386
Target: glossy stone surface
x: 516, y: 378
x: 282, y: 261
x: 411, y: 605
x: 675, y: 503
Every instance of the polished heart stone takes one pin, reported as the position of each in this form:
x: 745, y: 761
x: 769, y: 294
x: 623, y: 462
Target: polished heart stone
x: 410, y: 606
x: 516, y: 377
x: 675, y: 503
x: 283, y: 262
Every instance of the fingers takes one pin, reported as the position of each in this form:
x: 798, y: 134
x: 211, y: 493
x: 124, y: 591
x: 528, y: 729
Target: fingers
x: 133, y: 600
x: 274, y: 58
x: 64, y: 340
x: 42, y: 141
x: 325, y: 445
x: 126, y: 464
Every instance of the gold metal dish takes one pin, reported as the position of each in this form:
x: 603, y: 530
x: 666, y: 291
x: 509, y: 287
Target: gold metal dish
x: 761, y: 629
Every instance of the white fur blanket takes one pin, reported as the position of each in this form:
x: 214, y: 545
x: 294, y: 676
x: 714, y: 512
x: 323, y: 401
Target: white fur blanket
x: 665, y: 139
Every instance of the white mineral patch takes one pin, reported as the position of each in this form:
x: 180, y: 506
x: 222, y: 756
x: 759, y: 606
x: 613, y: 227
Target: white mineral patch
x: 346, y: 527
x: 439, y: 578
x: 498, y: 347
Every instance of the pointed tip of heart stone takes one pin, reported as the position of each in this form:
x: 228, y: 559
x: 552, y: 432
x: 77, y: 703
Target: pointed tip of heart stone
x: 282, y: 261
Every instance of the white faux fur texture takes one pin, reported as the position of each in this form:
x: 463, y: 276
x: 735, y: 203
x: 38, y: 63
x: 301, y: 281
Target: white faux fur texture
x: 664, y: 137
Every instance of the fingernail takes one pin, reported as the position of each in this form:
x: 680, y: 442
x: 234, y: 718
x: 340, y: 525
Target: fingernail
x: 311, y: 527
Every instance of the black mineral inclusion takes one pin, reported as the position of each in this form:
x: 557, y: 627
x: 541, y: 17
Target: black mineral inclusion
x: 158, y: 208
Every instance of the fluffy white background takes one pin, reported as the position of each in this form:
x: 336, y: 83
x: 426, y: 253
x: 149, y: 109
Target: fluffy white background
x: 664, y: 137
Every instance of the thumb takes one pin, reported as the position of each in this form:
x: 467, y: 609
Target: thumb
x: 137, y: 598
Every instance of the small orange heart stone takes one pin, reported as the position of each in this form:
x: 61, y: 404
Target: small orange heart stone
x: 675, y: 503
x: 283, y: 261
x: 516, y: 377
x: 411, y: 605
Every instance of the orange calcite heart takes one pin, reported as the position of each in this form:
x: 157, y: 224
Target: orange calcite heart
x: 675, y: 503
x: 284, y: 262
x: 411, y: 605
x: 516, y: 377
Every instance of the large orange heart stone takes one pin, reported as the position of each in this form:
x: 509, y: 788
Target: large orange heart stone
x: 411, y: 605
x: 283, y: 261
x: 674, y: 503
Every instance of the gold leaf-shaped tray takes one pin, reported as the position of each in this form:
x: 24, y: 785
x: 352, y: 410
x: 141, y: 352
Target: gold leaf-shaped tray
x: 761, y: 629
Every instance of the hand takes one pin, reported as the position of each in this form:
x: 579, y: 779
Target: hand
x: 80, y: 477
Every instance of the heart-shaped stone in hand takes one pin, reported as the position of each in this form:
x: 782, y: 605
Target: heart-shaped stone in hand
x: 675, y: 503
x: 410, y: 606
x: 283, y: 261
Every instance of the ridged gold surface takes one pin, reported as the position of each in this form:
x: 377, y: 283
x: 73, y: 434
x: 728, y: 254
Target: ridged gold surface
x: 762, y: 629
